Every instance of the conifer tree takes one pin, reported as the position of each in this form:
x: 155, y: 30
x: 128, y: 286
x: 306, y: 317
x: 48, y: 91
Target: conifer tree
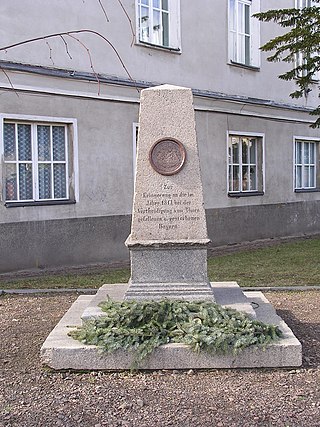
x: 299, y: 46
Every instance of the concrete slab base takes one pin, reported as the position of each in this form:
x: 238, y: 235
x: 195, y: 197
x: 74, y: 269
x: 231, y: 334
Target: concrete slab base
x: 60, y: 351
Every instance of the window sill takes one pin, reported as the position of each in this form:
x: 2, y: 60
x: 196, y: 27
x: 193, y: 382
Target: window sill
x: 246, y: 194
x: 159, y: 47
x: 40, y: 203
x: 247, y: 67
x: 307, y: 190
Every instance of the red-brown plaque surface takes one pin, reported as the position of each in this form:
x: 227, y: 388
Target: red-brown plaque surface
x: 167, y: 156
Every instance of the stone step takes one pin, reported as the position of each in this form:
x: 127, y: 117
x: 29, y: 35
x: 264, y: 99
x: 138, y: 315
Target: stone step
x: 157, y: 291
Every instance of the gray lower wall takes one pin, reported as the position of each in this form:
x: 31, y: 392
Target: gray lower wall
x: 248, y: 223
x: 41, y: 244
x: 52, y: 243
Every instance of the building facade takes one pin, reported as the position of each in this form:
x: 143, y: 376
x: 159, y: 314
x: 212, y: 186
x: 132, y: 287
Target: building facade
x: 69, y: 120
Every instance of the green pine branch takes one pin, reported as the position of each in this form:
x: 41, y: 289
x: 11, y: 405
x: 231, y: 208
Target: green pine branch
x: 301, y: 38
x: 140, y: 327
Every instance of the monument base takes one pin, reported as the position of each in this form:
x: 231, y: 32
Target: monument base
x: 155, y: 291
x: 60, y: 351
x: 175, y: 270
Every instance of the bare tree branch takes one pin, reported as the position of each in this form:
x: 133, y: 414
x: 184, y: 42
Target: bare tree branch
x: 130, y: 22
x: 90, y: 59
x: 104, y: 11
x: 70, y: 34
x: 9, y: 80
x: 66, y: 46
x: 50, y: 52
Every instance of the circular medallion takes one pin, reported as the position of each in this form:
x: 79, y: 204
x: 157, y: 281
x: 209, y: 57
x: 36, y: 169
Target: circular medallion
x: 167, y: 156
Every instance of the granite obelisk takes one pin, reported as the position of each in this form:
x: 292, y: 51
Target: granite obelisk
x: 168, y: 240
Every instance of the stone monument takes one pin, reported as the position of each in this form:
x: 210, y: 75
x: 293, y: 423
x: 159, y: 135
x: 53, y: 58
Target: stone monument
x: 168, y: 240
x: 167, y: 244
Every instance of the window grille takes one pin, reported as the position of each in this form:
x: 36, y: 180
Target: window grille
x: 35, y: 161
x: 305, y: 164
x: 245, y: 172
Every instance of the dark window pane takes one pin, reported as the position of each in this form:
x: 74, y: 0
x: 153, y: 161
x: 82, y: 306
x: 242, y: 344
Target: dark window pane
x: 44, y: 146
x: 233, y: 15
x: 24, y: 142
x: 253, y: 145
x: 247, y: 50
x: 156, y: 35
x: 312, y: 176
x: 306, y: 177
x: 165, y: 29
x: 253, y: 178
x: 44, y: 172
x: 11, y: 181
x: 58, y: 137
x: 299, y: 153
x: 236, y: 179
x: 245, y: 178
x: 299, y: 177
x: 25, y: 181
x: 235, y: 150
x: 245, y: 151
x: 165, y: 5
x: 9, y: 140
x: 144, y: 25
x: 59, y: 176
x: 247, y: 19
x: 306, y: 153
x: 312, y: 152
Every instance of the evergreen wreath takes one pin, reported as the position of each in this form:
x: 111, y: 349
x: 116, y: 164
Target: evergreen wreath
x: 142, y: 326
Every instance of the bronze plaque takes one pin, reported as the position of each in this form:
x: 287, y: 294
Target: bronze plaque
x: 167, y: 156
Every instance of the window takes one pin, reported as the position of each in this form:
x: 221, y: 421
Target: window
x: 300, y: 4
x: 245, y: 164
x: 159, y: 23
x: 306, y: 164
x: 38, y: 161
x: 301, y: 58
x: 244, y: 32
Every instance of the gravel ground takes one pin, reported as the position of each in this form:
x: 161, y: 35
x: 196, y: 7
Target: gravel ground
x: 33, y: 396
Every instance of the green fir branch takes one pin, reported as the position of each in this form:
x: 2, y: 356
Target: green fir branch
x: 140, y: 327
x: 302, y: 37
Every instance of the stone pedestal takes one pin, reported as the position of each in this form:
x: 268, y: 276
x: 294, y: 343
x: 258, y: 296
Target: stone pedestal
x: 168, y: 237
x: 175, y: 272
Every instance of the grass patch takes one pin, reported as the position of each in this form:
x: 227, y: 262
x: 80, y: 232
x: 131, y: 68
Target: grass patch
x: 72, y: 281
x: 142, y: 326
x: 286, y: 264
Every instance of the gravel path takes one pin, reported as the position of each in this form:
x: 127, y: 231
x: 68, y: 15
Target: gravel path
x: 32, y: 396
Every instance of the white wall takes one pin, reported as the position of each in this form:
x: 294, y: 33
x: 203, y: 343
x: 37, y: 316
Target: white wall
x: 105, y: 145
x: 202, y: 63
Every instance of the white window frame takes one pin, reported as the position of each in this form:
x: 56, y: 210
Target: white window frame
x: 304, y: 166
x: 71, y: 157
x: 235, y: 35
x: 260, y: 168
x: 135, y: 130
x: 174, y: 26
